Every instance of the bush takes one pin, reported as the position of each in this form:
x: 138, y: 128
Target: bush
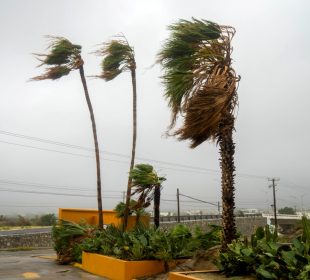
x: 265, y: 258
x: 47, y: 220
x: 67, y: 237
x: 140, y: 243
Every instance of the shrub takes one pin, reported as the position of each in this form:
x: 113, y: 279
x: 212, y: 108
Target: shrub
x: 67, y: 236
x: 265, y: 258
x: 140, y: 243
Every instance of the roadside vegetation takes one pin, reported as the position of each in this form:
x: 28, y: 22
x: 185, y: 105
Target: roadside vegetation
x: 140, y: 243
x: 19, y: 221
x: 265, y: 257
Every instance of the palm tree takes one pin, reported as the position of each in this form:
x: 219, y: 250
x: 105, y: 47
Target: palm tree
x: 201, y: 85
x: 147, y: 184
x: 63, y: 57
x: 119, y: 56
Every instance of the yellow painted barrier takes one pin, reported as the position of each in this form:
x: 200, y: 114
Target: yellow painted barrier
x: 90, y: 216
x: 116, y: 269
x: 190, y: 275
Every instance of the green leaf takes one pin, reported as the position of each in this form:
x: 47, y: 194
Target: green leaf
x: 247, y: 251
x: 260, y: 233
x: 265, y: 273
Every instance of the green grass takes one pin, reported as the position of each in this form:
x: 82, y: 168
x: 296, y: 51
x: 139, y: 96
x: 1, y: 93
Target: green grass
x: 20, y: 227
x: 20, y: 249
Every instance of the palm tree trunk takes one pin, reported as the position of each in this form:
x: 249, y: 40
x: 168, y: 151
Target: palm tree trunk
x: 134, y: 139
x: 227, y: 150
x: 90, y: 108
x: 156, y: 205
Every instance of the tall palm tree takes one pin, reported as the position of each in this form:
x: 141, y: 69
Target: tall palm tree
x: 201, y: 85
x: 147, y: 184
x: 64, y: 57
x: 119, y: 56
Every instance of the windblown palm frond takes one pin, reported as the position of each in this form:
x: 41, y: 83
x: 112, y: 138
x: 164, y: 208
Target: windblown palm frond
x: 63, y: 57
x: 199, y: 82
x: 144, y: 180
x: 118, y: 57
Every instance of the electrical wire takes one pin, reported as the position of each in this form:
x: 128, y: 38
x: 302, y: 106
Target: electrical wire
x: 49, y: 141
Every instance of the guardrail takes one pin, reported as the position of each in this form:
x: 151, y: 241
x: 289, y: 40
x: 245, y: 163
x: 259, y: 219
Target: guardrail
x: 170, y: 219
x: 283, y: 216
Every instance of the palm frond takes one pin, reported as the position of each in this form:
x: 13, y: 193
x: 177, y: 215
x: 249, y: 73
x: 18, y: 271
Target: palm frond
x: 63, y: 56
x: 53, y: 73
x: 118, y: 56
x: 144, y: 180
x: 199, y: 81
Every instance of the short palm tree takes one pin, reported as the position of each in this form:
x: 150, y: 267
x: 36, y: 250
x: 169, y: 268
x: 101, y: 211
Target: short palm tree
x: 201, y: 85
x: 63, y: 57
x: 147, y: 184
x: 119, y: 56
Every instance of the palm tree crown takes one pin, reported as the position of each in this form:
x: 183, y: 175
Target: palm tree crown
x: 199, y: 82
x: 118, y: 57
x: 62, y: 58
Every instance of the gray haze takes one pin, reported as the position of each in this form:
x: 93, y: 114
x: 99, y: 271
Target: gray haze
x: 271, y: 53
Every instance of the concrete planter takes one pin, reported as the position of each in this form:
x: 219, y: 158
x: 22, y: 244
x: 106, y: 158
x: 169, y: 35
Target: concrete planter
x: 116, y: 269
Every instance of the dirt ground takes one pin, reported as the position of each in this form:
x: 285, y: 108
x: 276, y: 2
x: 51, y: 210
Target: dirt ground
x: 202, y: 261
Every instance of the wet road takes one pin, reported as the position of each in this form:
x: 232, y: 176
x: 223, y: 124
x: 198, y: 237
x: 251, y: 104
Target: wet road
x: 38, y: 264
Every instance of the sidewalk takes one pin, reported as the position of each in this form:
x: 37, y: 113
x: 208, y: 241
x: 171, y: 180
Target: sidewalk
x: 38, y: 264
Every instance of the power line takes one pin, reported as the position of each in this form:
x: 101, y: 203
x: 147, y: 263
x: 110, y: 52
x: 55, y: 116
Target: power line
x: 56, y: 151
x: 119, y: 161
x: 30, y: 206
x: 48, y: 141
x: 31, y: 184
x: 198, y: 200
x: 53, y: 193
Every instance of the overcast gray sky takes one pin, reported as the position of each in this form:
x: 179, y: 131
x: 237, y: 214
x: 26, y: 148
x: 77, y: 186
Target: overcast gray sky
x: 271, y: 53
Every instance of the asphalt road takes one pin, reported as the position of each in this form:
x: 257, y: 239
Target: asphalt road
x: 25, y: 231
x: 38, y: 264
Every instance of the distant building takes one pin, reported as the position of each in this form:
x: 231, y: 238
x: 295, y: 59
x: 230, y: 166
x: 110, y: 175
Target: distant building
x: 249, y: 212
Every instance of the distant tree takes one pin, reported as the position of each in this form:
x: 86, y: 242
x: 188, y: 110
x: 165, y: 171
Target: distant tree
x: 287, y: 210
x: 60, y: 61
x: 23, y: 221
x: 3, y: 220
x: 47, y: 220
x: 119, y: 57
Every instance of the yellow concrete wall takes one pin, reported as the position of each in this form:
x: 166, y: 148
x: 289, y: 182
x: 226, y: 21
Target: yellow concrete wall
x: 116, y: 269
x: 90, y: 216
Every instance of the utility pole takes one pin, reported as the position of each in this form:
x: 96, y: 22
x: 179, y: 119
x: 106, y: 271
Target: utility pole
x: 273, y: 186
x: 178, y: 201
